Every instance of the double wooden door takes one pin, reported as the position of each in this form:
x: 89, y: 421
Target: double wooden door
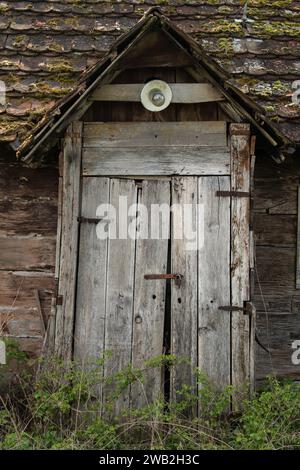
x: 187, y: 215
x: 125, y: 304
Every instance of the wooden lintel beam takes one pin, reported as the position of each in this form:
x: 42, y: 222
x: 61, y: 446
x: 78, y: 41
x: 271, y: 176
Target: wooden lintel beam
x: 182, y: 93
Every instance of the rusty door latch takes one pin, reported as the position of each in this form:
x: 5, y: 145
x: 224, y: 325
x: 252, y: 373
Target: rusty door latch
x: 247, y: 309
x: 90, y: 220
x: 232, y: 193
x: 151, y: 277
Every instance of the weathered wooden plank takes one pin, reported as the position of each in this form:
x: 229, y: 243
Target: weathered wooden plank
x: 195, y: 93
x: 28, y: 200
x: 154, y: 134
x: 277, y: 195
x: 91, y: 278
x: 28, y: 217
x: 184, y: 309
x: 119, y: 291
x: 240, y: 253
x: 182, y: 92
x: 20, y: 322
x: 27, y: 253
x: 149, y: 295
x: 276, y: 304
x: 17, y: 291
x: 214, y: 281
x: 156, y: 161
x: 49, y: 343
x: 275, y: 229
x: 298, y: 244
x: 276, y: 269
x: 30, y: 184
x: 69, y: 240
x: 277, y: 333
x: 156, y: 50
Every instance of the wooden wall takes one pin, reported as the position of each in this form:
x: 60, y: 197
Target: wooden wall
x: 276, y: 298
x: 28, y: 207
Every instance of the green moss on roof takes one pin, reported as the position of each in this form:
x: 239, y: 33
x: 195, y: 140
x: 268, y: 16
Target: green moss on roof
x: 63, y: 66
x: 274, y: 3
x: 19, y: 40
x: 3, y: 7
x: 277, y: 28
x: 8, y: 127
x: 215, y: 24
x: 278, y: 85
x: 269, y: 108
x: 269, y: 12
x: 45, y: 89
x: 223, y: 26
x: 7, y: 63
x: 225, y: 45
x: 55, y: 47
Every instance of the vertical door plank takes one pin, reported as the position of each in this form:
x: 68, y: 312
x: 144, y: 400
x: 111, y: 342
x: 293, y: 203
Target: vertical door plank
x: 91, y: 280
x: 184, y: 293
x: 240, y: 252
x: 214, y: 281
x: 149, y: 295
x: 119, y: 293
x: 69, y: 240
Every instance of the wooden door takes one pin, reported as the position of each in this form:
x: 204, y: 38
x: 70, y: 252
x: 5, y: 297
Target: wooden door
x: 200, y: 315
x: 117, y: 310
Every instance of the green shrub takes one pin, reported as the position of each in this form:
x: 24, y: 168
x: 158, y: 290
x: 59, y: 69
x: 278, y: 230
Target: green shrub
x: 271, y: 420
x: 58, y: 408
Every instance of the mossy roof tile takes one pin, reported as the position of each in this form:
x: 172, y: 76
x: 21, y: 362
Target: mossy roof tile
x: 40, y: 39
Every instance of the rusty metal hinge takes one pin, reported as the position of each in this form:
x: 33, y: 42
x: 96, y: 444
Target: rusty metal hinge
x: 58, y: 298
x: 163, y: 276
x: 90, y: 220
x: 233, y: 193
x: 247, y: 309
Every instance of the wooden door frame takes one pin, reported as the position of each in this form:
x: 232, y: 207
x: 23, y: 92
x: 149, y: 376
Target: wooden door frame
x: 61, y: 326
x: 242, y: 323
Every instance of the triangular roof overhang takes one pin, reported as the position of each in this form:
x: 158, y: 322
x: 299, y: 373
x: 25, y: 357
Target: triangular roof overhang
x: 240, y: 107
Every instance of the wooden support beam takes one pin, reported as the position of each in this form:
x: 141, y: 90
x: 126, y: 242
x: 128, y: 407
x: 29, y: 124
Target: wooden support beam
x: 241, y: 347
x: 154, y: 134
x: 182, y: 92
x: 159, y: 161
x: 69, y: 240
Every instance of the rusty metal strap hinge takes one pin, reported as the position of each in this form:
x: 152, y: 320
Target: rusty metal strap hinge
x: 163, y: 276
x: 233, y: 193
x: 58, y: 298
x: 90, y: 220
x: 247, y: 309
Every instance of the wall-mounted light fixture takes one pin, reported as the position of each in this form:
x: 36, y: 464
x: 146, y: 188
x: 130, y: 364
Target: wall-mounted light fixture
x: 156, y: 95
